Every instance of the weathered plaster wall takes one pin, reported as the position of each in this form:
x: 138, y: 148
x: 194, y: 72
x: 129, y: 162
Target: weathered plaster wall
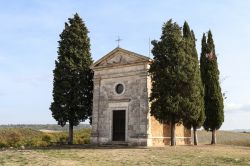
x: 134, y: 100
x: 161, y: 133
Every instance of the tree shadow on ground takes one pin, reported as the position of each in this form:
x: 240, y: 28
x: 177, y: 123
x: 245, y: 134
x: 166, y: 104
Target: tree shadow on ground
x: 84, y: 146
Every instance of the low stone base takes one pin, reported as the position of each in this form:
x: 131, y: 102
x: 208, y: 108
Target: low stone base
x: 167, y: 141
x: 161, y: 141
x: 94, y: 140
x: 137, y: 142
x: 99, y: 140
x: 129, y: 142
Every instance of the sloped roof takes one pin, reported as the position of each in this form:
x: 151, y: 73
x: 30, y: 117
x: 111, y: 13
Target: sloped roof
x: 120, y: 56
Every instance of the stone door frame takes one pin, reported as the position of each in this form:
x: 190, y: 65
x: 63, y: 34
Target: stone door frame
x: 116, y: 107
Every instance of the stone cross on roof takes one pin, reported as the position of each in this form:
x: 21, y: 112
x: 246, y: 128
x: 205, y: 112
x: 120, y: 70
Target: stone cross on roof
x: 118, y: 41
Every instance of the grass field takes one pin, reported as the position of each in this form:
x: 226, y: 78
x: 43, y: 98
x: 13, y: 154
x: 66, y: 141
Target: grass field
x: 221, y: 155
x: 225, y: 137
x: 233, y: 149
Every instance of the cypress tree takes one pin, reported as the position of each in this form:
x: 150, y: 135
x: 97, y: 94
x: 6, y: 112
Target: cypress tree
x: 72, y: 85
x: 170, y: 74
x: 214, y: 107
x: 194, y: 114
x: 203, y: 58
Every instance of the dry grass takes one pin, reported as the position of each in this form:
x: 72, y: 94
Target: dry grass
x: 17, y: 137
x: 203, y: 154
x: 49, y: 131
x: 225, y: 137
x: 180, y: 155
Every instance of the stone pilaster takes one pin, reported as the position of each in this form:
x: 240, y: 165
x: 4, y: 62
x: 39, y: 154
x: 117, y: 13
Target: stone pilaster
x: 95, y: 114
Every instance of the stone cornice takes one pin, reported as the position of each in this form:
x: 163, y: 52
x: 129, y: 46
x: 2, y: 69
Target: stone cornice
x: 141, y: 73
x: 111, y: 66
x: 114, y: 100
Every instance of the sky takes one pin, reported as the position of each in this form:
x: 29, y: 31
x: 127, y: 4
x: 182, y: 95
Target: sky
x: 29, y: 35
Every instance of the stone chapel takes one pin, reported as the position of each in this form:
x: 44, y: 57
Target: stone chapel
x: 121, y: 107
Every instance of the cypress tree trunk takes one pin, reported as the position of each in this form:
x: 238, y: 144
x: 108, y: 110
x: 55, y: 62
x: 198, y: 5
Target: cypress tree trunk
x: 213, y: 137
x: 70, y: 138
x: 173, y: 139
x: 195, y: 135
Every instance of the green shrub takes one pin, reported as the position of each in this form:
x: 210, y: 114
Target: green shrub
x: 40, y: 143
x: 14, y: 138
x: 82, y: 136
x: 17, y: 137
x: 62, y: 140
x: 29, y: 143
x: 3, y: 144
x: 46, y: 138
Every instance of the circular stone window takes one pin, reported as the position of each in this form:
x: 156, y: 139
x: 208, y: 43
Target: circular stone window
x: 119, y: 88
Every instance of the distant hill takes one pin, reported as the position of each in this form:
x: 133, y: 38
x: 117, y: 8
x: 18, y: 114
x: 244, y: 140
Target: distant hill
x: 242, y: 130
x: 53, y: 127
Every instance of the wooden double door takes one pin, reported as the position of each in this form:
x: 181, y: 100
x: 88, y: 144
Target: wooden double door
x: 119, y: 122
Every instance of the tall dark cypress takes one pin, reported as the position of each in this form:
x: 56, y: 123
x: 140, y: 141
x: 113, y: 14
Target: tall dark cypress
x: 194, y: 114
x: 203, y: 58
x: 214, y: 107
x: 73, y: 85
x: 170, y: 74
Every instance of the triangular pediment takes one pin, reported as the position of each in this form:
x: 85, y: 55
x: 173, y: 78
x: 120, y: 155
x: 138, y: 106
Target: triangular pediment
x: 120, y: 56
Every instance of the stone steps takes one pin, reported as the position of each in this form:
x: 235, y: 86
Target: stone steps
x: 115, y: 144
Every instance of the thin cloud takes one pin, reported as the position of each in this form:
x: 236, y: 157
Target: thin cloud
x: 33, y: 80
x: 233, y: 107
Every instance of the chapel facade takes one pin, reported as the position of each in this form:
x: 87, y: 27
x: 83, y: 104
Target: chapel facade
x: 121, y: 107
